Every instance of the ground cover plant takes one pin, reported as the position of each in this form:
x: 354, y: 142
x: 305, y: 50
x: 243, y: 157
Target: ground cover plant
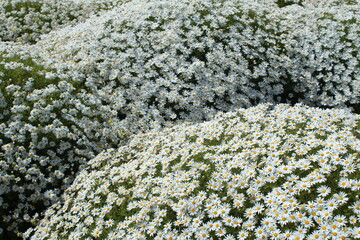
x: 88, y: 85
x: 257, y: 173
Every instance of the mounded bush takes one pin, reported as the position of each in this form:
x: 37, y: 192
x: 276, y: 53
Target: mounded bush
x: 156, y: 62
x: 312, y: 3
x: 49, y: 128
x: 149, y: 64
x: 324, y: 55
x: 27, y: 20
x: 257, y: 173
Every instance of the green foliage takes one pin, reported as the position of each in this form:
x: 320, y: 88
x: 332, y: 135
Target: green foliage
x: 284, y: 3
x: 20, y: 75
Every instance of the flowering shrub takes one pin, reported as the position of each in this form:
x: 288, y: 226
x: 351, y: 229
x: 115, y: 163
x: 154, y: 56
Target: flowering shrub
x: 332, y: 68
x: 150, y: 64
x: 313, y: 3
x: 49, y: 128
x: 327, y: 3
x: 257, y: 173
x: 26, y: 20
x: 158, y: 61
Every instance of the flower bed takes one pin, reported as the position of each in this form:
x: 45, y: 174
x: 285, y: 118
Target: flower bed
x: 286, y: 173
x: 89, y: 85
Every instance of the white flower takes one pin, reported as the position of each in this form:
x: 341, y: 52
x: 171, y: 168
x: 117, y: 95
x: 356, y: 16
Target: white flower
x: 324, y: 191
x: 114, y: 74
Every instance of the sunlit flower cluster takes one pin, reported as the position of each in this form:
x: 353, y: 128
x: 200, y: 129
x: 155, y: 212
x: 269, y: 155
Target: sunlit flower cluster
x: 257, y: 173
x: 26, y: 20
x: 81, y: 76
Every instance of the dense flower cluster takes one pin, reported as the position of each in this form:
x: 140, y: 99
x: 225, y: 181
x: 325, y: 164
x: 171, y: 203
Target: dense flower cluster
x: 312, y: 3
x: 147, y: 64
x: 257, y: 173
x: 167, y: 60
x: 49, y: 128
x: 324, y: 3
x: 27, y: 20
